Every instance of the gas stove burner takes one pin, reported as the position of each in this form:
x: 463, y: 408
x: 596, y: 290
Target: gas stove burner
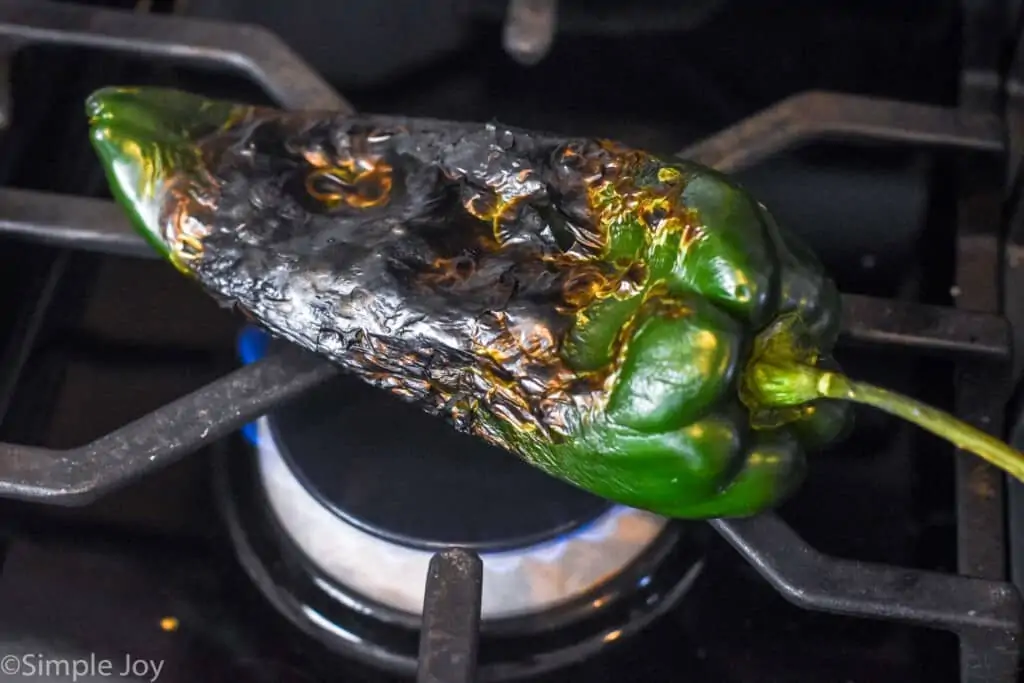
x: 369, y: 487
x: 352, y: 491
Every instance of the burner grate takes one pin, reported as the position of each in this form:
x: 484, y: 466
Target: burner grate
x: 978, y: 604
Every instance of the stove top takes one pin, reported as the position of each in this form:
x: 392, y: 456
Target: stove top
x: 183, y: 499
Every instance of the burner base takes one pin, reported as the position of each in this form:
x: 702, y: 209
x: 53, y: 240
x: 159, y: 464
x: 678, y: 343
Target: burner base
x: 352, y: 625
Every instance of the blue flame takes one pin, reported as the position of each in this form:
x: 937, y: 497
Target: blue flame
x: 252, y: 346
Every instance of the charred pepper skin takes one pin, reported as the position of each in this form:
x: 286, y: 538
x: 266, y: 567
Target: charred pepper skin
x: 589, y: 307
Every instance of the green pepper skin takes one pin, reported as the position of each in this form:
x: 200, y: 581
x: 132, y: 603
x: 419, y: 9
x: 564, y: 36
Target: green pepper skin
x: 654, y: 280
x: 674, y: 438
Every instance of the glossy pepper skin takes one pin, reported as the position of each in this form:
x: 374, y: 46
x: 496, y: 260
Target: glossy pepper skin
x: 592, y: 308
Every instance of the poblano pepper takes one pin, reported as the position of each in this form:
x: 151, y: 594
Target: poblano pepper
x: 635, y: 325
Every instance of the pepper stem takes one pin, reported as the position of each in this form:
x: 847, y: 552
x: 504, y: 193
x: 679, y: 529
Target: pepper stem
x: 782, y: 378
x: 939, y: 423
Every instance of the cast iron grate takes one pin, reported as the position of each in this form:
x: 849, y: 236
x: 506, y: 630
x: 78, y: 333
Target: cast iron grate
x: 978, y: 604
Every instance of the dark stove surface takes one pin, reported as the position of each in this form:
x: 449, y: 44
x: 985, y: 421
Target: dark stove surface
x: 65, y: 602
x: 147, y: 576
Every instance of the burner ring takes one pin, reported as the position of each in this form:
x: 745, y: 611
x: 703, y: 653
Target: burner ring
x: 351, y: 625
x: 369, y: 504
x: 517, y: 582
